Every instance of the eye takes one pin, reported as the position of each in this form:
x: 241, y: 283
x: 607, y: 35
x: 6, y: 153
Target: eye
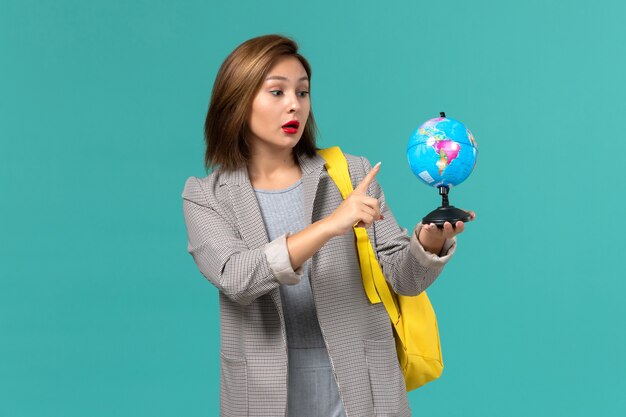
x: 303, y: 93
x: 276, y: 92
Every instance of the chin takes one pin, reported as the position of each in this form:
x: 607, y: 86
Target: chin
x: 284, y: 144
x: 291, y: 140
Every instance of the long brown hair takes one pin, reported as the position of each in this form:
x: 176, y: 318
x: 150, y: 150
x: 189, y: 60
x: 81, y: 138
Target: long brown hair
x: 239, y: 79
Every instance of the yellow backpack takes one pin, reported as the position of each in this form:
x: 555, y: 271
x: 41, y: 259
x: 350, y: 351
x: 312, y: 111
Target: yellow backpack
x: 413, y: 318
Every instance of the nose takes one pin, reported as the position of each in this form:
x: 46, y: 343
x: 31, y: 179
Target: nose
x: 294, y: 104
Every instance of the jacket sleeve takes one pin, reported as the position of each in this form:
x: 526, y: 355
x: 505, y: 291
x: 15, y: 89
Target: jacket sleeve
x: 407, y: 266
x: 240, y: 273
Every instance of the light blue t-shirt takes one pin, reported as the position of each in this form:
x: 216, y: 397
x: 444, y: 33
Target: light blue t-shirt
x: 312, y: 389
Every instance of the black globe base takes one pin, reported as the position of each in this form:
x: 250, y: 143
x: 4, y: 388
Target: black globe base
x: 446, y: 213
x: 450, y: 214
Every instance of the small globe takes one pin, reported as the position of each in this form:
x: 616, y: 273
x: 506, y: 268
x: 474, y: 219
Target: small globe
x: 442, y: 152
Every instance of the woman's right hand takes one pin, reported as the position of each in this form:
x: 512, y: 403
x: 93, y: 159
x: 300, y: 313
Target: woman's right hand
x: 358, y: 209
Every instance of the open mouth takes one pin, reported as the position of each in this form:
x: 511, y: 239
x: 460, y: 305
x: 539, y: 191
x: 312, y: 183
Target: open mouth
x: 291, y: 127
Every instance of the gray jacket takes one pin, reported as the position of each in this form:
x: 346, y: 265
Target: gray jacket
x: 228, y: 242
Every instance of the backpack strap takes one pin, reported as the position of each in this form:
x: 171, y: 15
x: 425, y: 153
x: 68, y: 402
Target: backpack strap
x: 374, y: 283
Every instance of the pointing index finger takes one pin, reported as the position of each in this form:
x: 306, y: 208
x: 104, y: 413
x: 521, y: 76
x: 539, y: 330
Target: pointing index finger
x: 364, y: 185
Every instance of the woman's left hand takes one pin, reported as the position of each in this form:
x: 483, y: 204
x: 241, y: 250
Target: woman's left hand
x: 432, y: 237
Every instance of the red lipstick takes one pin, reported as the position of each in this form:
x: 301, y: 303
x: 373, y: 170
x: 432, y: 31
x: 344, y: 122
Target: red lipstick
x: 291, y: 127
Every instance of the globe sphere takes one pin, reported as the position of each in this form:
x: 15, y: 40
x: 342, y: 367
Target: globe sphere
x: 442, y: 152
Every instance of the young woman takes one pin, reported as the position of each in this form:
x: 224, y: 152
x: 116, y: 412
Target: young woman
x: 269, y: 229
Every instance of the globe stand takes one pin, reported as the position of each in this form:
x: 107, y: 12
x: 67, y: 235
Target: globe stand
x: 446, y: 213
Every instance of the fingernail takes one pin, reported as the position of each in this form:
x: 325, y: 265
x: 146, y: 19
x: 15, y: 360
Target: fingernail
x: 377, y: 165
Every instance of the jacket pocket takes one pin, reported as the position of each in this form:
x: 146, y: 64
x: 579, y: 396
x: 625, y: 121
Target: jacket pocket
x: 386, y: 380
x: 233, y: 387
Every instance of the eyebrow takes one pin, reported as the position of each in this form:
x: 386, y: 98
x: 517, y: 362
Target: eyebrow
x: 280, y: 77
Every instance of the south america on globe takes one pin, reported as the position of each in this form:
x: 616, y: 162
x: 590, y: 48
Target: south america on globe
x: 442, y: 153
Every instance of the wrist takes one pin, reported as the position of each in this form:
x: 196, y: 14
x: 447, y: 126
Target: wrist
x: 432, y: 244
x: 326, y: 229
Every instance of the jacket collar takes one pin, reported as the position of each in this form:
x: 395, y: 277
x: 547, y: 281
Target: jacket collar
x: 245, y: 204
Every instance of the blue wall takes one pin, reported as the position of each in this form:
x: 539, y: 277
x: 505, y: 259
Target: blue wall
x: 102, y: 103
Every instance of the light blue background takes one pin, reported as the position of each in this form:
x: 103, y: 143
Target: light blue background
x: 102, y: 104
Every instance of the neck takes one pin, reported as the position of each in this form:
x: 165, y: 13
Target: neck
x: 268, y: 165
